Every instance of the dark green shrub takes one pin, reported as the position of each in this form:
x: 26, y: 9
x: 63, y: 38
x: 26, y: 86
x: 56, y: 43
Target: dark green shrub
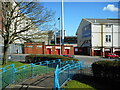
x: 106, y: 69
x: 38, y: 58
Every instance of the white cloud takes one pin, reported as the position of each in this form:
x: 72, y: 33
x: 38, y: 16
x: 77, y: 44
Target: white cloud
x: 110, y: 7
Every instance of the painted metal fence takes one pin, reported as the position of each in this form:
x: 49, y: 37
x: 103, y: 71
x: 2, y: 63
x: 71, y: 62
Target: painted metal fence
x: 10, y: 74
x: 65, y: 73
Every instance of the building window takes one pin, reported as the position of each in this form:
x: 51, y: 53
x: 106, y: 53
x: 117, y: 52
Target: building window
x: 39, y: 46
x: 108, y: 38
x: 108, y: 26
x: 29, y: 46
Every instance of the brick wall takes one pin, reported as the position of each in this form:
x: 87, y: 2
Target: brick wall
x: 40, y: 48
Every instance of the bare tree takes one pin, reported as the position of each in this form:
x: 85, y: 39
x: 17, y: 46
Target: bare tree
x: 50, y: 36
x: 18, y: 18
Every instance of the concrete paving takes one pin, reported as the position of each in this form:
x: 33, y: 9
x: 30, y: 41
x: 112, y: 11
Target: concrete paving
x: 44, y: 82
x: 91, y: 59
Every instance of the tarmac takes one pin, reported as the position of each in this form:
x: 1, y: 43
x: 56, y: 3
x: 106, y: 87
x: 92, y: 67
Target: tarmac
x: 45, y: 82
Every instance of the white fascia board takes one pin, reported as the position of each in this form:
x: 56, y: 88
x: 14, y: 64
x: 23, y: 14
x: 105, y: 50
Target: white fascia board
x: 87, y: 20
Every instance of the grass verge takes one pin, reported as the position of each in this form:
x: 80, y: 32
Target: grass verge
x: 23, y: 73
x: 76, y: 84
x: 17, y: 64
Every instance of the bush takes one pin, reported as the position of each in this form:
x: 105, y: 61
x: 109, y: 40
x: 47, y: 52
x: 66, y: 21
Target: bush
x: 106, y: 69
x: 38, y: 58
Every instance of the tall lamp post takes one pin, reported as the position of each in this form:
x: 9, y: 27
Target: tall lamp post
x: 62, y: 21
x: 55, y: 33
x: 60, y: 35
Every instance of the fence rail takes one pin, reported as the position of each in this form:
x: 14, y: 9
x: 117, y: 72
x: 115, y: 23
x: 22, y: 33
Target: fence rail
x: 10, y: 74
x: 65, y: 73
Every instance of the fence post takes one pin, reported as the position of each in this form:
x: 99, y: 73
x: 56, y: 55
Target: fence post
x: 56, y: 79
x: 79, y: 65
x: 72, y: 61
x: 60, y: 64
x: 32, y: 70
x: 3, y: 69
x: 82, y: 66
x: 69, y: 72
x: 13, y: 73
x: 59, y: 60
x: 40, y: 63
x: 47, y: 62
x: 24, y: 66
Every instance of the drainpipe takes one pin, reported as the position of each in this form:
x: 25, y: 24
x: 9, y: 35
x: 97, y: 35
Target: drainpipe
x: 112, y: 39
x: 102, y: 39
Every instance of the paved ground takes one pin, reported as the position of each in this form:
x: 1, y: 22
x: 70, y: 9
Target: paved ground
x: 87, y: 59
x: 44, y: 82
x: 91, y: 59
x: 15, y: 57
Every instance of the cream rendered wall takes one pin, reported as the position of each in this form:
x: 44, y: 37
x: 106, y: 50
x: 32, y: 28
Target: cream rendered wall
x: 119, y: 35
x: 116, y: 34
x: 107, y: 31
x: 96, y: 35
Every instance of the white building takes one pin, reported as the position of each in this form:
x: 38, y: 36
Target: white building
x: 60, y: 32
x: 43, y: 36
x: 17, y: 25
x: 99, y: 36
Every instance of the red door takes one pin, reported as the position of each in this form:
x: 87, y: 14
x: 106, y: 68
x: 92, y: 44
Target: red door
x: 57, y: 51
x: 66, y: 51
x: 97, y: 53
x: 48, y: 51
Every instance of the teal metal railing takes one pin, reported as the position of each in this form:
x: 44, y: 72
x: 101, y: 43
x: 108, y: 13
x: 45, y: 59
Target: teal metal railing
x: 10, y: 74
x: 65, y: 73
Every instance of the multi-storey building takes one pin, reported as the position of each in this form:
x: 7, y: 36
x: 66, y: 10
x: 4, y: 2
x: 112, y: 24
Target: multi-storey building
x: 17, y: 46
x: 98, y: 37
x: 43, y: 36
x: 60, y: 32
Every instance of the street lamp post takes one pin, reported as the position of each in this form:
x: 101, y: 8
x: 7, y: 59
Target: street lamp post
x: 55, y: 37
x: 60, y: 35
x: 55, y: 33
x: 62, y: 21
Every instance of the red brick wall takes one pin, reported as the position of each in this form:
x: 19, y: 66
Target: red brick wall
x: 33, y: 48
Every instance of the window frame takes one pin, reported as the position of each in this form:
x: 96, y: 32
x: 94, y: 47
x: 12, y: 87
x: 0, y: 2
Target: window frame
x: 108, y: 25
x: 108, y: 38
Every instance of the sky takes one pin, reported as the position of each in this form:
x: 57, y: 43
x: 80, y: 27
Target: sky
x: 75, y: 11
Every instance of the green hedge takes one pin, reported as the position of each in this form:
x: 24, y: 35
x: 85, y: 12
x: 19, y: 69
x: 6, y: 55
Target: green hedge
x: 106, y: 69
x: 38, y: 58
